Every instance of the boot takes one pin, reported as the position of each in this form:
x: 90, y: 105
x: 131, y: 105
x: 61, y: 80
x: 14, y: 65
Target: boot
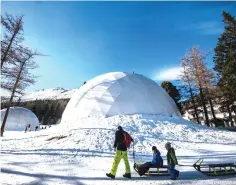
x: 127, y: 175
x: 110, y: 175
x: 177, y: 173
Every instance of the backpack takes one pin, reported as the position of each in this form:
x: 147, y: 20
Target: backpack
x: 127, y: 140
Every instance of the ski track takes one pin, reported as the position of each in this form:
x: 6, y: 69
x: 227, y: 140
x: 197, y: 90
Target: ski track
x: 86, y: 153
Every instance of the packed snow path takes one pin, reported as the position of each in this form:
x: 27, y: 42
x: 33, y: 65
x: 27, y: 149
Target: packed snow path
x: 81, y: 153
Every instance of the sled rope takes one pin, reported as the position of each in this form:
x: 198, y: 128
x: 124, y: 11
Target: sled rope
x: 200, y: 161
x: 185, y: 165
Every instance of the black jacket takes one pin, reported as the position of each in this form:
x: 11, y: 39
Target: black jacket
x: 119, y: 143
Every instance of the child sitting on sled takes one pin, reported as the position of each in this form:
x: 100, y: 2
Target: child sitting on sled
x: 157, y: 161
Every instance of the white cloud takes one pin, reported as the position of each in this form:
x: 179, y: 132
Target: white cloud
x: 206, y: 27
x: 168, y: 74
x: 210, y: 27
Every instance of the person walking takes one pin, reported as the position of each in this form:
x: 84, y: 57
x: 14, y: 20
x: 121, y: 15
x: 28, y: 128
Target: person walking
x: 122, y: 142
x: 172, y: 161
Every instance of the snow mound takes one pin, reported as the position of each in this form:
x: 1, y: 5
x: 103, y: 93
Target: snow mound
x: 119, y: 93
x: 18, y: 118
x: 97, y: 134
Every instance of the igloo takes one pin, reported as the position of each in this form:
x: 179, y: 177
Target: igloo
x: 18, y: 118
x: 119, y: 93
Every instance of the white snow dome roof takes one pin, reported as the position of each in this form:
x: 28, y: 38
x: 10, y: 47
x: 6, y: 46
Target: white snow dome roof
x: 18, y: 118
x: 119, y: 93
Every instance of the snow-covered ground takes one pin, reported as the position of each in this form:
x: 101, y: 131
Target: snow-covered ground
x: 81, y: 153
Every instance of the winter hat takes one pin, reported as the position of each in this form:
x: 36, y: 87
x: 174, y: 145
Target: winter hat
x: 154, y: 148
x: 120, y: 128
x: 168, y: 144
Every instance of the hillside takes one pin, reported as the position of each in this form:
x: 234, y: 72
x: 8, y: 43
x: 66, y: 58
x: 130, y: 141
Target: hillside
x: 47, y: 94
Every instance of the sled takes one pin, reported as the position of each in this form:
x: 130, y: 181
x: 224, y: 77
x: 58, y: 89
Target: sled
x: 156, y: 171
x: 215, y: 169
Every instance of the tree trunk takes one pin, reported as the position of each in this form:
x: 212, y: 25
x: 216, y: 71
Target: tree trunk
x: 7, y: 50
x: 230, y: 115
x: 204, y: 107
x: 16, y: 31
x: 191, y: 93
x: 194, y: 105
x: 212, y: 109
x: 10, y: 101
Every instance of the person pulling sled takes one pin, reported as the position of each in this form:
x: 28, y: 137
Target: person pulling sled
x: 122, y: 142
x: 157, y: 161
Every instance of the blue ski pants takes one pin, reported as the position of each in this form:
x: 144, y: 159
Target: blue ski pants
x: 172, y: 171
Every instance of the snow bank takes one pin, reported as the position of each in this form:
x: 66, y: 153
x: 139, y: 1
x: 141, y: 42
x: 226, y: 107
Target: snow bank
x: 96, y: 134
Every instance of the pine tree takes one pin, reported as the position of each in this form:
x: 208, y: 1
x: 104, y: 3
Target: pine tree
x: 46, y: 111
x: 58, y: 112
x: 39, y: 109
x: 173, y: 92
x: 225, y: 62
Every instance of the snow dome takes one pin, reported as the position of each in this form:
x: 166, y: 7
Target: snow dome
x: 119, y: 93
x: 18, y: 118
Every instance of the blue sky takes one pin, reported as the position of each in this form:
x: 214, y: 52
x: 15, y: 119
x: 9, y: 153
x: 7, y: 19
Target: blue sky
x: 86, y: 39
